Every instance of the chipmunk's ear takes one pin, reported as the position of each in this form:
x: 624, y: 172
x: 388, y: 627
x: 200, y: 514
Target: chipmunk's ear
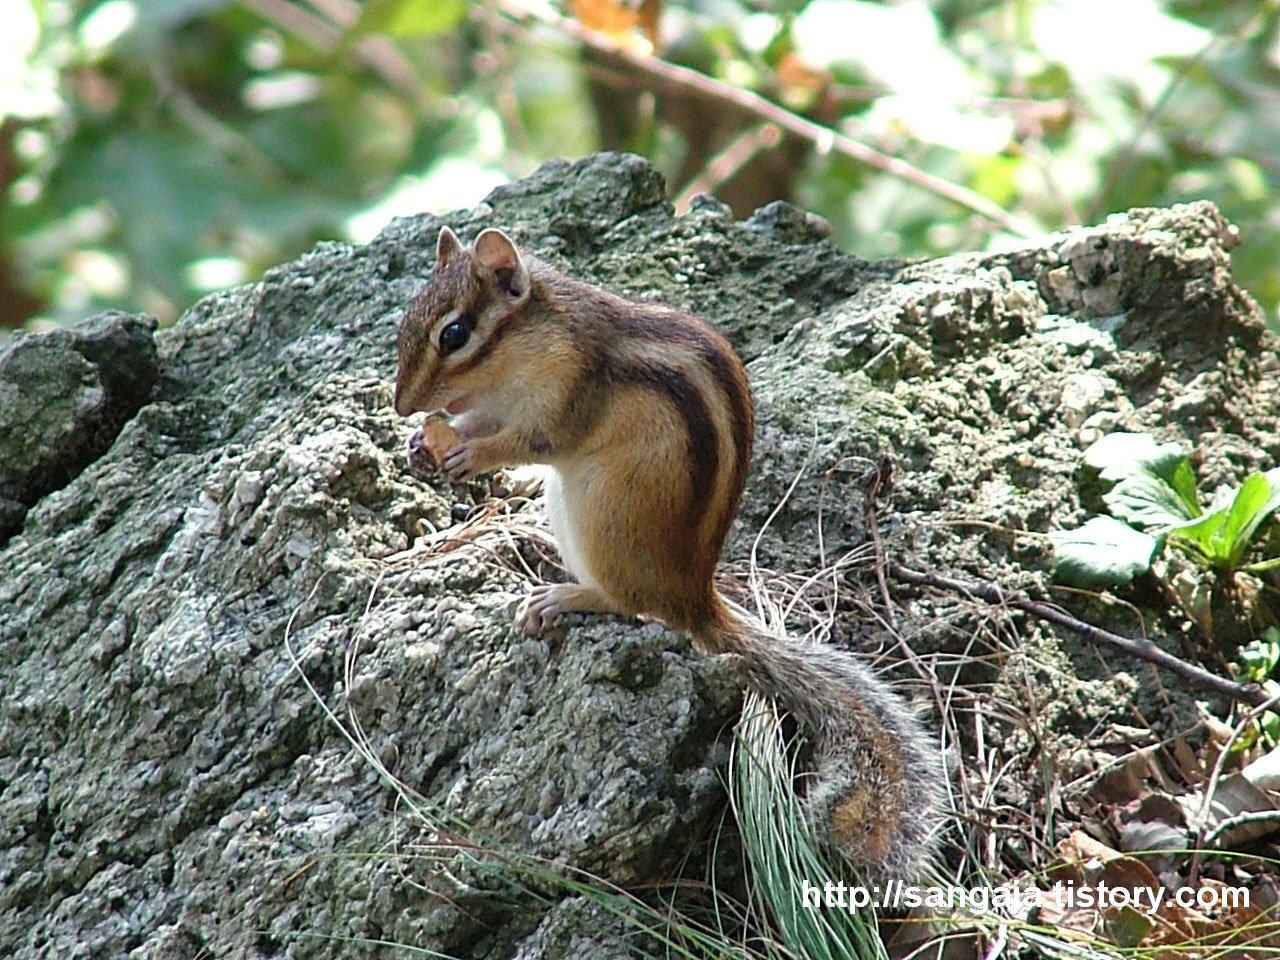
x: 447, y: 247
x: 494, y: 251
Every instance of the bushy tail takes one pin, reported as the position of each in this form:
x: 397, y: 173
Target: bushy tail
x: 876, y: 789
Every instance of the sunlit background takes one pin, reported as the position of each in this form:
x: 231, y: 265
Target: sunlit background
x: 152, y: 151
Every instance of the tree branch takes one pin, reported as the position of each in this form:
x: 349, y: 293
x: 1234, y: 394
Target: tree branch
x: 728, y: 162
x: 1144, y: 649
x: 672, y: 78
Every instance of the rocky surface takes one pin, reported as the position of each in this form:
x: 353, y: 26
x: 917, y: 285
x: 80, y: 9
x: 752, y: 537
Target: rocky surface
x: 219, y: 561
x: 63, y: 398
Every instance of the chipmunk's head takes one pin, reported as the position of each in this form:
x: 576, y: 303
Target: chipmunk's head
x: 447, y: 338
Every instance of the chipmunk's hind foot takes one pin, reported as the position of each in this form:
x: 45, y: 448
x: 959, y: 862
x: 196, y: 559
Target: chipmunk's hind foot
x: 539, y: 610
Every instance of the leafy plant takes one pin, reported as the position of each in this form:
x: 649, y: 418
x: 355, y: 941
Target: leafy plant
x: 1155, y: 503
x: 1259, y: 660
x: 1261, y: 657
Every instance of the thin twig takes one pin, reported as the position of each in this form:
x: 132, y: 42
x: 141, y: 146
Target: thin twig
x: 998, y: 945
x: 729, y: 161
x: 1144, y: 649
x: 378, y: 51
x: 220, y: 136
x: 1122, y: 160
x: 879, y: 475
x: 324, y: 31
x: 675, y: 79
x: 1240, y: 820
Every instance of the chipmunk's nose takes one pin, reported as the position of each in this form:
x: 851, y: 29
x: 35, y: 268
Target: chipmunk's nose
x: 404, y: 404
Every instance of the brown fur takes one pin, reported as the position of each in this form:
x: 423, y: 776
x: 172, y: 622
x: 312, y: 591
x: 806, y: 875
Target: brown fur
x: 646, y: 416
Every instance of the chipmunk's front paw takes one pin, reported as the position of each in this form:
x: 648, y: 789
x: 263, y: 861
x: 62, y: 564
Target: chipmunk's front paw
x: 462, y: 461
x: 428, y: 445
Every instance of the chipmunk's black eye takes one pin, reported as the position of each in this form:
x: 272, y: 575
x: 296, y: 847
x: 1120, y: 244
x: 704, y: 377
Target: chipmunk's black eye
x: 454, y: 336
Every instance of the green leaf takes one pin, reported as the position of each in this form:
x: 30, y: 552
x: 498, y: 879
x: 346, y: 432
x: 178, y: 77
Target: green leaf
x: 1221, y: 537
x: 1183, y: 482
x: 1154, y: 484
x: 1270, y: 723
x: 1104, y: 552
x: 1245, y: 515
x: 1259, y: 657
x: 1203, y: 537
x: 1270, y: 505
x: 408, y: 18
x: 171, y: 193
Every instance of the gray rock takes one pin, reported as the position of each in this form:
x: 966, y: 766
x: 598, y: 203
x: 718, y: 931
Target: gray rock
x: 63, y: 398
x: 198, y: 594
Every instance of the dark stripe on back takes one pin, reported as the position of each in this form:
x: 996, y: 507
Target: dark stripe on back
x: 704, y: 455
x: 631, y: 322
x: 724, y: 366
x: 728, y: 374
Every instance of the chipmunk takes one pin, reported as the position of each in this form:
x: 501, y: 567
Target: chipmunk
x: 645, y: 417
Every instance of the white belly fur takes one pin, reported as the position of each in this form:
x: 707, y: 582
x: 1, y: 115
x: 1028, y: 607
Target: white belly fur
x: 558, y: 489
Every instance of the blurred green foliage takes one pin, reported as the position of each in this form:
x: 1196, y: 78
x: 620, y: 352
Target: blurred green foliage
x: 152, y: 150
